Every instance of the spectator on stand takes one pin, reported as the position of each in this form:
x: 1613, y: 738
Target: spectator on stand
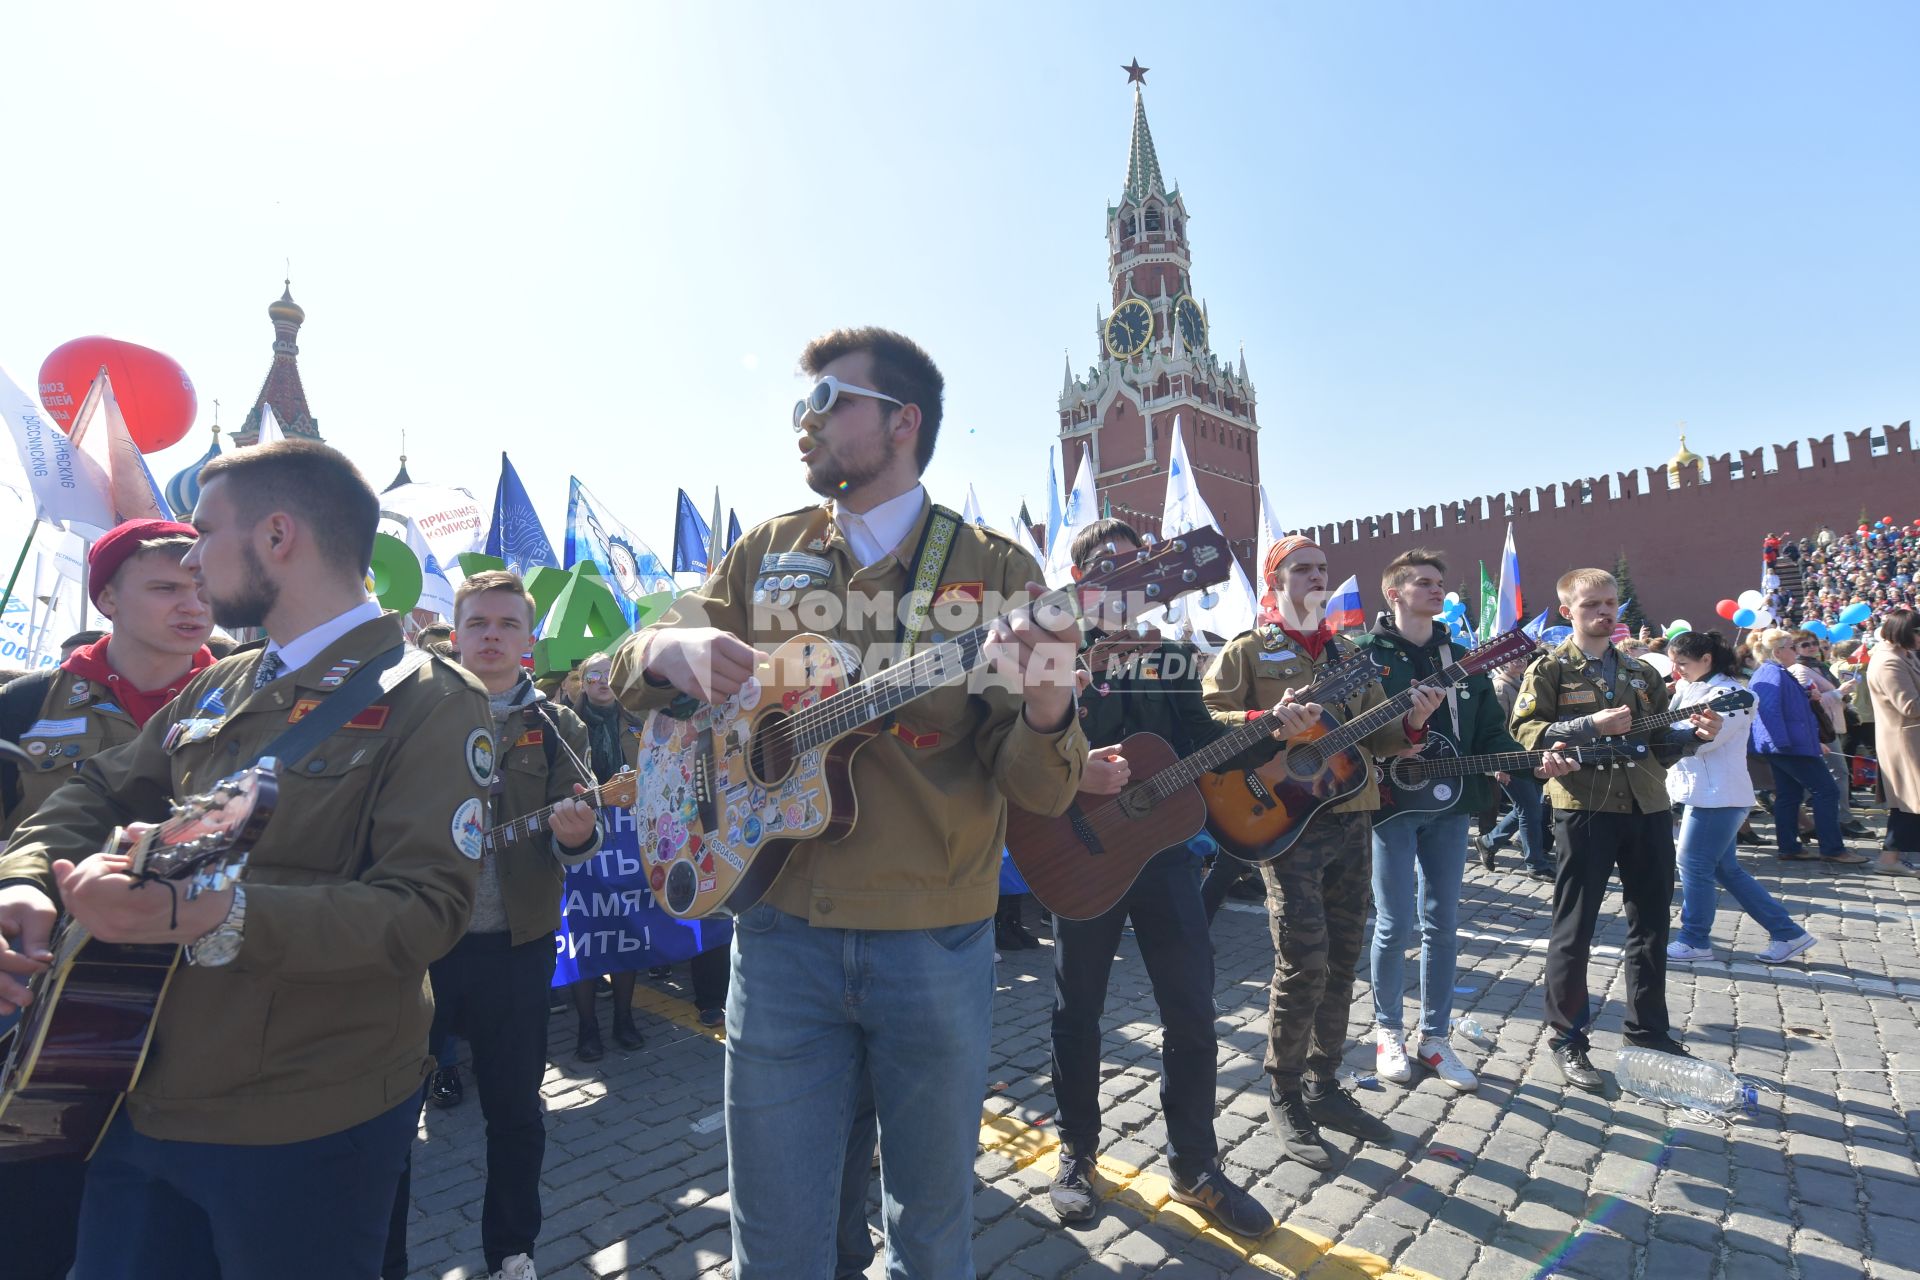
x: 1786, y: 731
x: 1715, y: 792
x: 1893, y: 678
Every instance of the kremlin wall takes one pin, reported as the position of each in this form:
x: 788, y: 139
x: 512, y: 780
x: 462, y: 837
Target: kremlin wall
x: 1691, y: 529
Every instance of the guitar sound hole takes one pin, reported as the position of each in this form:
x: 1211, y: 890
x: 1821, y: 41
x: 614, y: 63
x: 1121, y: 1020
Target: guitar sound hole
x: 682, y: 886
x: 771, y: 758
x: 1302, y: 764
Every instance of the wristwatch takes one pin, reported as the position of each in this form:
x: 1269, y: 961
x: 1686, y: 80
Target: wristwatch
x: 223, y: 944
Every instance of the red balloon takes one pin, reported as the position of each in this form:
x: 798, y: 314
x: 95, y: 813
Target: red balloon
x: 155, y: 394
x: 1727, y: 608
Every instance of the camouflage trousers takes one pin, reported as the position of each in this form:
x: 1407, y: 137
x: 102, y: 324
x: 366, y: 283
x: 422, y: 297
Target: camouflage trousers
x: 1318, y: 894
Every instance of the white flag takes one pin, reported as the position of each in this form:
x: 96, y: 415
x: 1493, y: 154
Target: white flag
x: 1082, y: 509
x: 442, y: 521
x: 1024, y: 536
x: 1235, y: 605
x: 67, y: 486
x: 269, y: 426
x: 971, y: 512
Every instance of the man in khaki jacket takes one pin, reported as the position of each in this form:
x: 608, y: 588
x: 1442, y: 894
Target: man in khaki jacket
x: 492, y: 988
x: 872, y: 955
x: 266, y: 1132
x: 1317, y: 894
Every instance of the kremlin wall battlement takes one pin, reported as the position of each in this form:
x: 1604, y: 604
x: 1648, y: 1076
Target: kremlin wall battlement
x: 1691, y: 531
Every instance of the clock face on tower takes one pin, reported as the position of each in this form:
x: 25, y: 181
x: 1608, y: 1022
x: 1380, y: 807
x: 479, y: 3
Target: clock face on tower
x: 1192, y: 323
x: 1129, y: 328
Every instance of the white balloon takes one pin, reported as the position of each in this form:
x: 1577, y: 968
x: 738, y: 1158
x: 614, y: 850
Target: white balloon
x: 1762, y: 617
x: 1659, y: 662
x: 1751, y: 599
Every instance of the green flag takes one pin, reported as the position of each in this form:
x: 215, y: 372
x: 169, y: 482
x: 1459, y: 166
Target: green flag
x: 1489, y: 602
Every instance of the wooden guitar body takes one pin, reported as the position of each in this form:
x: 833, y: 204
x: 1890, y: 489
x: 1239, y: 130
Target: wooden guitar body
x: 1258, y: 814
x: 81, y: 1044
x: 724, y: 798
x: 1081, y: 864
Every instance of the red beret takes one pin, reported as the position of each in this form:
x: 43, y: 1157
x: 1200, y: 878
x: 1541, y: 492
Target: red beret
x: 111, y: 550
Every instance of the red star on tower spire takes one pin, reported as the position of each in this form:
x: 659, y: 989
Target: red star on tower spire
x: 1136, y: 74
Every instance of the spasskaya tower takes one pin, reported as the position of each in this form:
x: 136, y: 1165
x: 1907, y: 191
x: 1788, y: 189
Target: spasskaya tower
x: 1156, y: 363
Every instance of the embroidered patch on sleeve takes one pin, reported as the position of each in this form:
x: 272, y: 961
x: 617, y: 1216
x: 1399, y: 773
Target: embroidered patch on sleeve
x: 470, y: 829
x: 479, y: 755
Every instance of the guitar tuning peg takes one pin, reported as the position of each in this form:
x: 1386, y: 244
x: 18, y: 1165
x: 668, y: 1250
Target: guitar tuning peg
x: 1209, y: 598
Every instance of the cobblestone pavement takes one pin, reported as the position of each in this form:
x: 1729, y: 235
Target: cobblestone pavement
x: 1522, y: 1178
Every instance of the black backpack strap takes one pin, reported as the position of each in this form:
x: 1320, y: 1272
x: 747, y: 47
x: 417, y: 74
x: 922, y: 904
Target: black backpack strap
x: 21, y: 702
x: 365, y: 687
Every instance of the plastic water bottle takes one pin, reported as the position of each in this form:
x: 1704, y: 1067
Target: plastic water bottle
x: 1468, y: 1029
x: 1683, y: 1082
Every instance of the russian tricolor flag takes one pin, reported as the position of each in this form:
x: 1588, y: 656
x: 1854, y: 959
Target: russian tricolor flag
x: 1507, y: 612
x: 1345, y: 612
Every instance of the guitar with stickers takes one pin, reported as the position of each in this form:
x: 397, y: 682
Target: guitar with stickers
x: 77, y: 1049
x: 727, y: 791
x: 1080, y: 864
x: 1257, y: 815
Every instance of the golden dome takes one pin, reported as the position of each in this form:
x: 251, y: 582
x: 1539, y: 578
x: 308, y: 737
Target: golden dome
x: 286, y: 308
x: 1683, y: 459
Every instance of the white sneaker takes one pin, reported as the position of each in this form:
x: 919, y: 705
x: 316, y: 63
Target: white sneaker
x: 517, y: 1267
x: 1390, y: 1057
x: 1440, y: 1059
x: 1678, y: 950
x: 1777, y: 952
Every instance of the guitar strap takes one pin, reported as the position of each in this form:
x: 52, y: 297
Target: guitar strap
x: 923, y: 575
x: 377, y: 678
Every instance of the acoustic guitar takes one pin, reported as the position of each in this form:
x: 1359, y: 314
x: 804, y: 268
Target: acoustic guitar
x: 728, y: 791
x: 617, y: 792
x: 1258, y: 814
x: 1424, y: 783
x: 76, y: 1050
x: 1081, y: 864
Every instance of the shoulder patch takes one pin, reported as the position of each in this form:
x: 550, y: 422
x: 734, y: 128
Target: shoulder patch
x: 479, y: 756
x: 469, y: 829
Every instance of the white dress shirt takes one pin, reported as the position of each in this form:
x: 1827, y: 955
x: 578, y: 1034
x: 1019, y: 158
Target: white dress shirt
x: 305, y: 648
x: 873, y: 535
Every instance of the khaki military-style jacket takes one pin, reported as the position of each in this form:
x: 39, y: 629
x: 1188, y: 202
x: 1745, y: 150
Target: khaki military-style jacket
x: 932, y: 793
x: 78, y: 720
x: 1563, y: 684
x: 1257, y: 667
x: 532, y: 864
x: 364, y: 875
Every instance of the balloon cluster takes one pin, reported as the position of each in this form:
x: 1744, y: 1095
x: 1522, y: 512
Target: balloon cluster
x: 1749, y: 610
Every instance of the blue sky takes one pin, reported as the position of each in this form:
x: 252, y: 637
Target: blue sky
x: 1467, y: 247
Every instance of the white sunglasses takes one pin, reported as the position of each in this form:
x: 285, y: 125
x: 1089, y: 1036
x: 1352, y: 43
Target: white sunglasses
x: 826, y: 393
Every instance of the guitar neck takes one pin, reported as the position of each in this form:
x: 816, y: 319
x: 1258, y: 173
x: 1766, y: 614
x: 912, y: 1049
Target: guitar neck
x: 1361, y: 726
x: 1224, y: 748
x: 1491, y: 762
x: 528, y: 825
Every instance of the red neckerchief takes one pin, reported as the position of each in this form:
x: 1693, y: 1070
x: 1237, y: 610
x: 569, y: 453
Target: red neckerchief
x: 90, y: 663
x: 1313, y: 643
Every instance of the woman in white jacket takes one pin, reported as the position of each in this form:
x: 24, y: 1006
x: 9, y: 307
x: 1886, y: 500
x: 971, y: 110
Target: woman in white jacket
x: 1717, y: 792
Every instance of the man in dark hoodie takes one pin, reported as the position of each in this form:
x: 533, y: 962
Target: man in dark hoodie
x: 1419, y: 857
x: 97, y: 698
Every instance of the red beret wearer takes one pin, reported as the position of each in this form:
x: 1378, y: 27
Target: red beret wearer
x: 111, y: 550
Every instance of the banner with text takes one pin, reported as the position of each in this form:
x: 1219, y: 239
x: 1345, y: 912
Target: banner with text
x: 609, y: 921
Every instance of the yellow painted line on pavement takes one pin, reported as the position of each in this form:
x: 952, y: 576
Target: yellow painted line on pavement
x: 1285, y: 1251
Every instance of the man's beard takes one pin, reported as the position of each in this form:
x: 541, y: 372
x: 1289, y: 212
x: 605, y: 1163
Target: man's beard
x: 255, y: 601
x: 833, y: 477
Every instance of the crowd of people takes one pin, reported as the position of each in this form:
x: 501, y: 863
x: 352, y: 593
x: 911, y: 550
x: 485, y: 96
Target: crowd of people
x: 1875, y: 564
x: 432, y: 803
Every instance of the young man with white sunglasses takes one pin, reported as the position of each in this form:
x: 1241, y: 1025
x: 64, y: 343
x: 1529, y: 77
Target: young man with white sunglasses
x: 870, y: 959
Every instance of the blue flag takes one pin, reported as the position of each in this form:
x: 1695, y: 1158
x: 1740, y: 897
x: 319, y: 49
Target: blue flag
x: 627, y: 563
x: 733, y: 528
x: 515, y: 535
x: 690, y: 536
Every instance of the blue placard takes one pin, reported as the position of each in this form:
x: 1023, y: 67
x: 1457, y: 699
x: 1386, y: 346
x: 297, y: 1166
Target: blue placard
x: 609, y: 920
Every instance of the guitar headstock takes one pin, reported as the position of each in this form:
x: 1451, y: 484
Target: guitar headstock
x: 1728, y: 701
x: 1614, y: 753
x: 620, y: 791
x: 1498, y: 652
x: 205, y: 844
x: 1155, y: 575
x: 1343, y: 680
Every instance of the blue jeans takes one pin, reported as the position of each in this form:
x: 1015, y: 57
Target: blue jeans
x: 1525, y: 820
x: 1417, y: 858
x: 163, y: 1209
x: 1707, y: 861
x: 814, y: 1013
x: 1805, y: 777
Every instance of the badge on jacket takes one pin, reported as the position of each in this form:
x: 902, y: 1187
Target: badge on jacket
x: 479, y: 753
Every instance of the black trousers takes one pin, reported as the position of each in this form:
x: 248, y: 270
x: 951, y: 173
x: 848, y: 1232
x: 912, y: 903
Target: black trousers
x: 1170, y: 924
x: 1589, y: 846
x: 40, y: 1216
x: 493, y: 995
